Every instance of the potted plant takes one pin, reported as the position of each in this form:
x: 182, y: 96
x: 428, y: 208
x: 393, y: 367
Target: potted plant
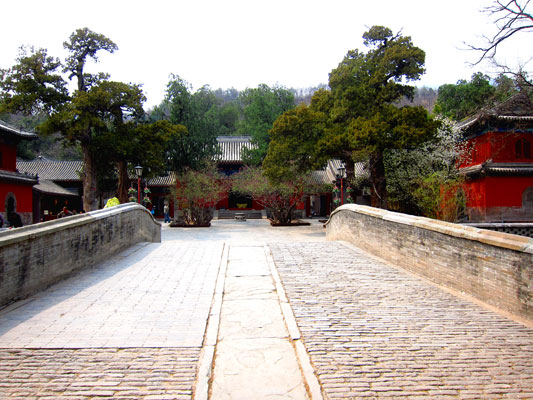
x: 132, y: 195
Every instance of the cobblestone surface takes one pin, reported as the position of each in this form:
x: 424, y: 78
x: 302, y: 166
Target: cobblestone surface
x: 98, y: 373
x: 156, y: 296
x: 374, y: 331
x: 131, y: 328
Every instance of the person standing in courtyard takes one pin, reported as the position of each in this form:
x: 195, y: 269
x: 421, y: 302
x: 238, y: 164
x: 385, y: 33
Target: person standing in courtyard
x: 166, y: 211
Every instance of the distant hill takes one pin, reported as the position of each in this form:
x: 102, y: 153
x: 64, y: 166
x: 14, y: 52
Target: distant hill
x: 424, y: 96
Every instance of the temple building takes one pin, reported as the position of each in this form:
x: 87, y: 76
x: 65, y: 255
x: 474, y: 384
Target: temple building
x: 499, y: 166
x: 15, y: 187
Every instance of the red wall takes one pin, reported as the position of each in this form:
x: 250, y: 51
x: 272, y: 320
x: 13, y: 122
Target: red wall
x: 224, y: 204
x: 9, y: 157
x: 497, y: 191
x: 23, y: 195
x: 498, y: 146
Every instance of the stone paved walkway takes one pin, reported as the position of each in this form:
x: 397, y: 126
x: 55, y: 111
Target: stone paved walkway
x: 131, y: 373
x: 132, y: 328
x: 154, y: 295
x: 153, y: 322
x: 135, y: 326
x: 254, y: 356
x: 375, y: 331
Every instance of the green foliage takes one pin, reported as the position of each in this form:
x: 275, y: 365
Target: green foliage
x: 262, y: 106
x: 441, y: 197
x: 467, y: 98
x: 197, y: 193
x: 100, y: 116
x: 33, y: 85
x: 48, y: 146
x: 81, y: 45
x: 95, y: 111
x: 415, y: 177
x: 292, y: 143
x: 359, y: 118
x: 363, y: 82
x: 229, y: 115
x: 363, y: 121
x: 197, y: 145
x: 149, y: 145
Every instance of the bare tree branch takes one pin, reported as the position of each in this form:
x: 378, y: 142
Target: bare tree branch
x: 511, y: 18
x: 520, y: 76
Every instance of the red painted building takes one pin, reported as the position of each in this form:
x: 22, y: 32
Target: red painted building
x: 15, y: 188
x: 499, y: 167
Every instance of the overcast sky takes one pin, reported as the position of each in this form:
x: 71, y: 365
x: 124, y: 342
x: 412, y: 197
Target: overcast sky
x: 242, y: 43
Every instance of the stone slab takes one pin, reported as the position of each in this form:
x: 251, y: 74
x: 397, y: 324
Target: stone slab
x: 241, y: 319
x: 254, y: 356
x: 257, y: 369
x: 248, y: 253
x: 248, y: 268
x: 254, y: 287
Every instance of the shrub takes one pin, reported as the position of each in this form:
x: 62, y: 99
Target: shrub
x: 197, y: 193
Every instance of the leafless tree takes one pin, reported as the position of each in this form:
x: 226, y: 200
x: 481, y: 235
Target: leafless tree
x: 511, y: 17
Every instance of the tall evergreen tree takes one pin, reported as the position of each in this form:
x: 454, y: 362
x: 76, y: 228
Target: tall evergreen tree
x: 262, y: 106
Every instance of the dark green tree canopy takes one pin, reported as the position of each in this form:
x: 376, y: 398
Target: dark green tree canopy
x: 81, y: 45
x: 98, y: 116
x: 196, y: 113
x: 293, y: 141
x: 363, y: 82
x: 358, y: 119
x: 468, y: 97
x: 262, y: 106
x: 33, y: 85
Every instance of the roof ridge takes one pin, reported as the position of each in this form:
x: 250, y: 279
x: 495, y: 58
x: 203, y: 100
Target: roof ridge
x: 13, y: 129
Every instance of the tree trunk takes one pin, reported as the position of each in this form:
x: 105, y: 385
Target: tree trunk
x: 377, y: 179
x: 90, y: 202
x: 123, y: 181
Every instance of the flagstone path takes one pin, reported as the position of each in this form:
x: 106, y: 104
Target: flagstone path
x: 246, y: 311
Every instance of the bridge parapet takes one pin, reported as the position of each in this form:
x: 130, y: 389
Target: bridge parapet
x: 495, y: 267
x: 36, y: 256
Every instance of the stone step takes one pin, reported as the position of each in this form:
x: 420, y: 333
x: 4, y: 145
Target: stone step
x: 248, y: 214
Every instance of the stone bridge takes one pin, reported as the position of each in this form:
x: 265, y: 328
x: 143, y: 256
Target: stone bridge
x: 381, y: 306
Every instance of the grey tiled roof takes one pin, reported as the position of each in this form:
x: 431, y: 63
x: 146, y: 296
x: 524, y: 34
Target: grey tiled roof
x: 499, y: 169
x: 231, y: 148
x: 18, y: 177
x: 332, y: 169
x: 231, y: 152
x: 5, y: 127
x: 49, y: 187
x: 516, y: 108
x: 319, y: 178
x: 167, y: 180
x: 52, y: 169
